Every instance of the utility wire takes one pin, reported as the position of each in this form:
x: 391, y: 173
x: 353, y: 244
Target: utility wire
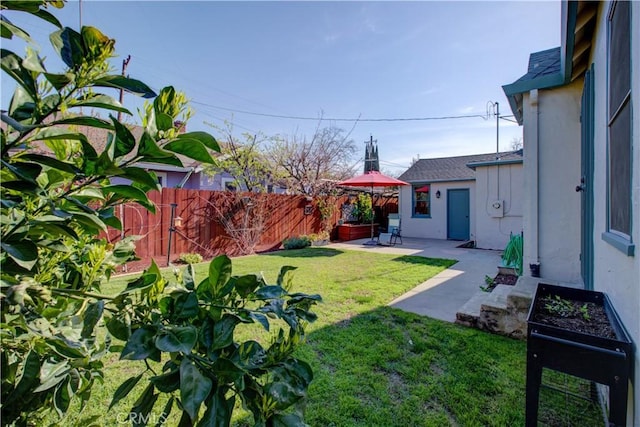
x: 394, y: 119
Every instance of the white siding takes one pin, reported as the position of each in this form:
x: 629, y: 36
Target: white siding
x: 557, y: 205
x: 436, y: 226
x: 493, y: 232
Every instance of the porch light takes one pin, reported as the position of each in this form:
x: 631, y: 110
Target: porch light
x: 438, y: 194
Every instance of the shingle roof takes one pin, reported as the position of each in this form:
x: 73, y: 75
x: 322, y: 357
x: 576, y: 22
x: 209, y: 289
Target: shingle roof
x: 453, y: 168
x: 542, y: 63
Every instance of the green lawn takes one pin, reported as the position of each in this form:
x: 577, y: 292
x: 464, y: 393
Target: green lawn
x: 373, y: 365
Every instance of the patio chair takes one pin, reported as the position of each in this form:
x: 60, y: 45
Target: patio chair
x: 393, y: 233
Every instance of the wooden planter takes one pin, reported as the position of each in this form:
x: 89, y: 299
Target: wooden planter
x: 356, y: 231
x: 605, y: 360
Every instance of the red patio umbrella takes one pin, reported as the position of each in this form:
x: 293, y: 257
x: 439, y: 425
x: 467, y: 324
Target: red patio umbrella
x: 372, y: 179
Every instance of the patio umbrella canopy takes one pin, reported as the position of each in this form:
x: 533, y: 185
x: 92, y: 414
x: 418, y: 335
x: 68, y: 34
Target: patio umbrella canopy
x: 372, y: 179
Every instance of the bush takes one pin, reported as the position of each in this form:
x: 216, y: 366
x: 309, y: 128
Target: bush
x: 296, y: 242
x: 190, y: 258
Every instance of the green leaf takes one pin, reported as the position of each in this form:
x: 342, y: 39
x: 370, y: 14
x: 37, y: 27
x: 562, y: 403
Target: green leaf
x: 52, y: 163
x: 227, y: 371
x: 143, y: 406
x: 142, y: 282
x: 89, y: 221
x: 163, y: 121
x: 12, y: 65
x: 124, y: 389
x: 24, y: 253
x: 68, y: 44
x: 129, y: 85
x: 51, y: 374
x: 206, y: 139
x: 177, y: 338
x: 191, y: 148
x: 91, y: 316
x: 270, y: 292
x: 140, y: 345
x: 194, y: 387
x: 167, y: 383
x: 59, y: 81
x: 219, y: 411
x: 141, y: 176
x: 66, y: 348
x: 119, y: 327
x: 246, y: 284
x: 28, y: 380
x: 282, y: 393
x: 56, y: 133
x: 61, y: 399
x: 9, y: 30
x: 250, y: 355
x: 219, y: 273
x: 93, y: 122
x: 125, y: 141
x: 43, y: 14
x: 165, y: 412
x: 186, y: 306
x: 127, y: 192
x: 223, y: 331
x: 284, y: 277
x: 260, y: 318
x: 33, y: 62
x: 98, y: 100
x: 25, y: 171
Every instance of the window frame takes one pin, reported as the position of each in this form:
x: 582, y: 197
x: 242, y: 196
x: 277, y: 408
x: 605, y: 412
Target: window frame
x: 619, y: 239
x: 413, y: 200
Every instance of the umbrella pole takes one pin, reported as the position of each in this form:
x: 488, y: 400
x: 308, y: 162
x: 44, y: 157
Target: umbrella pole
x: 371, y: 242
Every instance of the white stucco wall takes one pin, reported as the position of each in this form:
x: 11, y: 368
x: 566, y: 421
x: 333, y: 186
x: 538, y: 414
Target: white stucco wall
x: 615, y: 273
x: 552, y: 153
x: 493, y: 232
x: 436, y: 226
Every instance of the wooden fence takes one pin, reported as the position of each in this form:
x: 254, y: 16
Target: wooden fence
x: 267, y: 219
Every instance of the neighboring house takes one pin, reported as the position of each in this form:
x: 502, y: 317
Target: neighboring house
x: 582, y: 159
x: 477, y: 197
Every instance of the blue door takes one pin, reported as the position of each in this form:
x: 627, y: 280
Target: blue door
x: 458, y: 214
x: 586, y: 182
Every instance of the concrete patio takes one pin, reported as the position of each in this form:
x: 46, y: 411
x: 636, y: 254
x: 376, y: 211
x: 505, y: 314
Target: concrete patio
x: 442, y: 296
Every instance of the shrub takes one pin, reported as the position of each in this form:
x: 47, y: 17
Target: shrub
x: 296, y: 242
x: 190, y: 258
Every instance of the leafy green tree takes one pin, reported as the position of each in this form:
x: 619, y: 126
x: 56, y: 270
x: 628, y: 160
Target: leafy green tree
x: 56, y: 197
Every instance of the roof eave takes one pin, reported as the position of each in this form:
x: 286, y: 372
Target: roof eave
x: 475, y: 165
x: 519, y: 87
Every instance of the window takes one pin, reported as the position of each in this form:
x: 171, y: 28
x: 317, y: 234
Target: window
x: 228, y: 184
x: 162, y: 179
x: 421, y: 200
x: 619, y: 128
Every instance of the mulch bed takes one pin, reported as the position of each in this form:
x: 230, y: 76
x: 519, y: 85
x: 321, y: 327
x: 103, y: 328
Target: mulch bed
x: 505, y: 279
x: 578, y: 316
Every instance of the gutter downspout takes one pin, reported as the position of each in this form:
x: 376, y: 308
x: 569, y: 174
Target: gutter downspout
x: 186, y: 178
x: 534, y: 164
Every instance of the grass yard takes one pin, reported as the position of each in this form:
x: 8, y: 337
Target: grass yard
x: 373, y: 365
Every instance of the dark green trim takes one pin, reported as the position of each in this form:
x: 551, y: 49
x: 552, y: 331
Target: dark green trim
x: 620, y: 243
x: 544, y: 82
x: 566, y: 57
x: 493, y: 163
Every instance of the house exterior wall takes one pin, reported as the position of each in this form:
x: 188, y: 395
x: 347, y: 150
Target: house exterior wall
x: 553, y: 169
x: 502, y: 183
x: 434, y: 227
x: 615, y: 273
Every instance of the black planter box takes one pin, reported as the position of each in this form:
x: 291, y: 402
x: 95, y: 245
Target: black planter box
x: 607, y: 361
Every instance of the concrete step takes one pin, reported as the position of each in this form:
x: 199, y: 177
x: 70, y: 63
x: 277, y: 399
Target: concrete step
x: 469, y: 313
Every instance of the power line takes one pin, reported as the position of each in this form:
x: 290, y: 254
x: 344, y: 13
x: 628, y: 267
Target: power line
x: 394, y: 119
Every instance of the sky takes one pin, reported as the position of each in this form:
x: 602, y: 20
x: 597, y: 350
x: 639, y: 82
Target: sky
x: 277, y: 68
